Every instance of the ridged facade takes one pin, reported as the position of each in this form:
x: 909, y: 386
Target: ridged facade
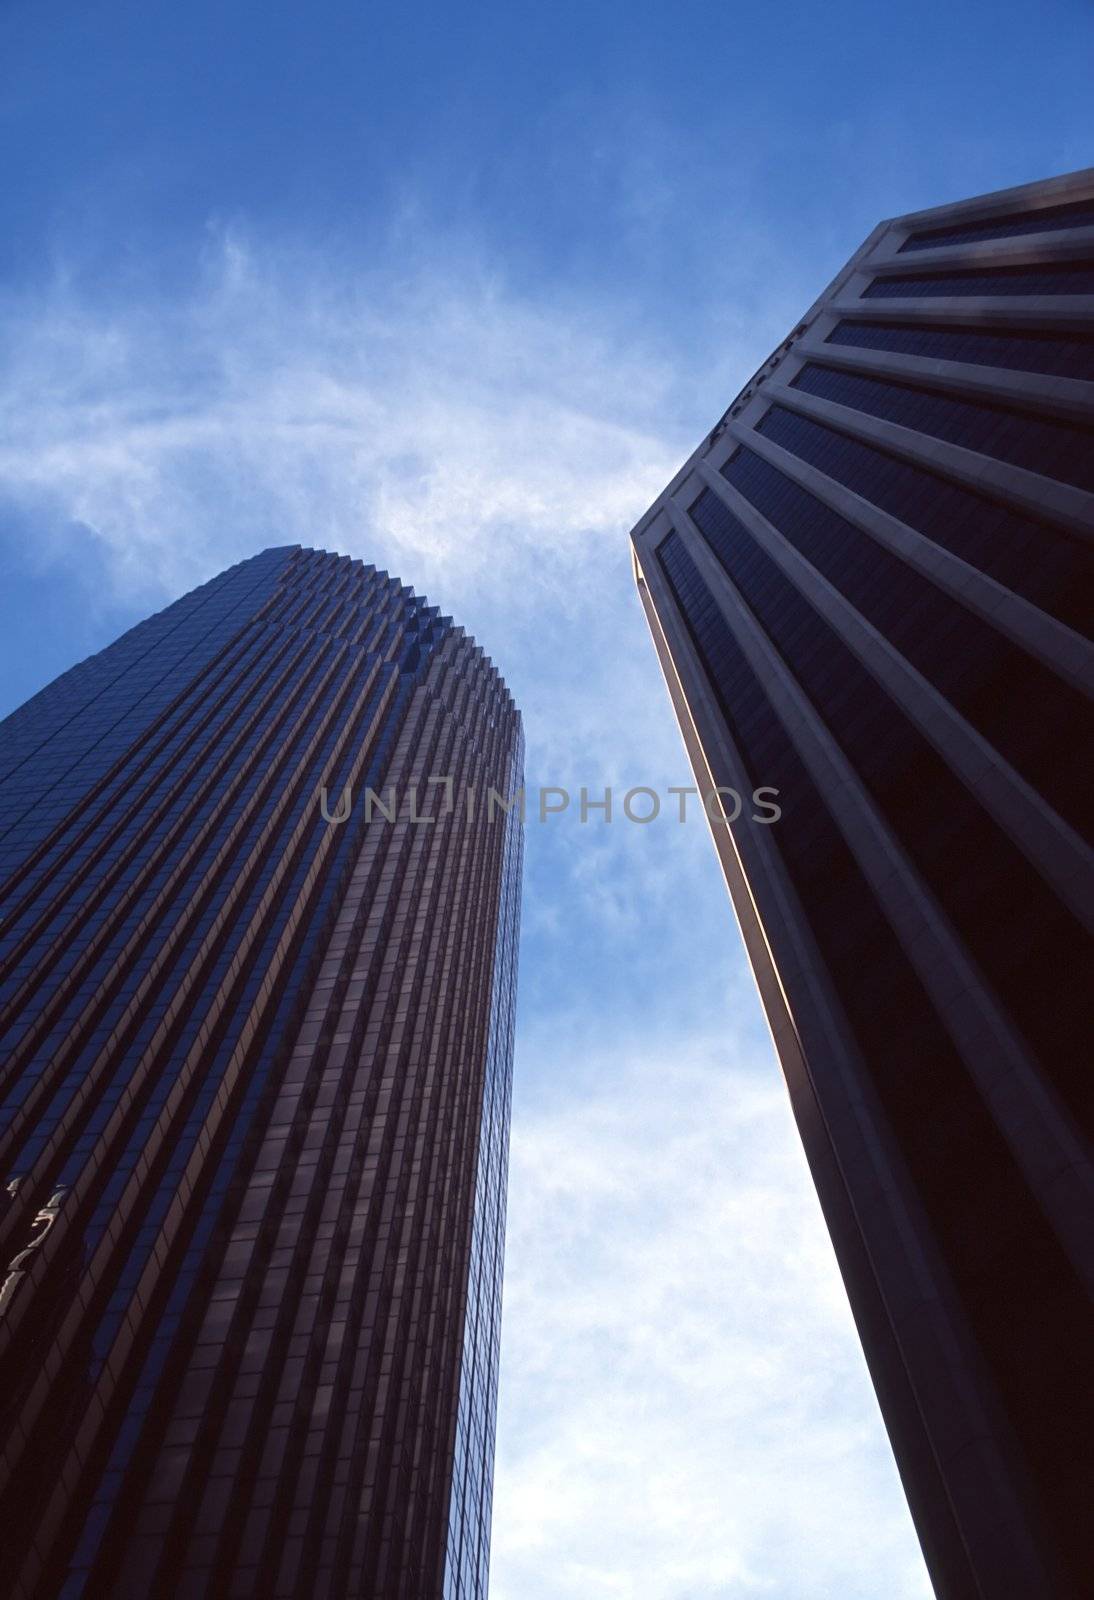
x: 256, y: 1072
x: 870, y: 587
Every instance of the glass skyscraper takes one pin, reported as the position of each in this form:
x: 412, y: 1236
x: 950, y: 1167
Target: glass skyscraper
x: 870, y: 587
x: 259, y: 941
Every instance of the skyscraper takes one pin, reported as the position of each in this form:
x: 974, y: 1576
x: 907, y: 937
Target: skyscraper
x: 259, y: 944
x: 870, y: 588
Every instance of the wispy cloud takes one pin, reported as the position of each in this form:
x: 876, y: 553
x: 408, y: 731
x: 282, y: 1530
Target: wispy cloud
x: 685, y: 1412
x: 474, y: 436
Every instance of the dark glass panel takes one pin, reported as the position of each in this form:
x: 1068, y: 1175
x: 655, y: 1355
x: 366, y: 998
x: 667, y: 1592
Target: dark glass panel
x: 1064, y: 277
x: 1041, y: 725
x: 1047, y: 219
x: 1042, y: 564
x: 1060, y: 355
x: 1061, y: 450
x: 944, y: 830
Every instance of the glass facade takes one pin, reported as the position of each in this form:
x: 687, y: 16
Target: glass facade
x: 1037, y: 720
x: 1060, y: 450
x: 1063, y: 355
x: 1046, y: 219
x: 467, y: 1556
x: 916, y: 918
x: 1057, y: 277
x: 256, y: 1063
x: 1043, y: 564
x: 934, y: 816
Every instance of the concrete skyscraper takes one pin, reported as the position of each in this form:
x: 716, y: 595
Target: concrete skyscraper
x: 870, y: 587
x: 254, y: 1098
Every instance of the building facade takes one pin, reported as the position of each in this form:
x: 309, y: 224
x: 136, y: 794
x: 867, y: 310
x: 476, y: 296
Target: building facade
x: 257, y: 988
x: 870, y: 587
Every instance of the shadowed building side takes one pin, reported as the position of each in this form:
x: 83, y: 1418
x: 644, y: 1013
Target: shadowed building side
x: 870, y: 587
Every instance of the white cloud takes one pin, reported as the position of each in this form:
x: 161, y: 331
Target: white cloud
x: 473, y: 437
x: 685, y: 1412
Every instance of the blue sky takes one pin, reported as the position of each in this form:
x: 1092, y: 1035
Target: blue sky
x: 455, y: 289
